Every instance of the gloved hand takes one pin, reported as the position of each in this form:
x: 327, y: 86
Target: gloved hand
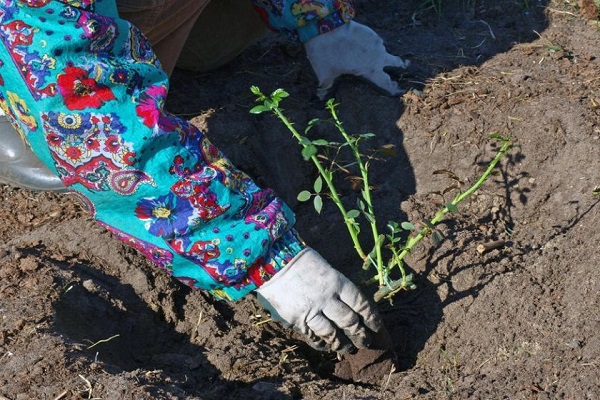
x: 353, y: 49
x: 321, y: 303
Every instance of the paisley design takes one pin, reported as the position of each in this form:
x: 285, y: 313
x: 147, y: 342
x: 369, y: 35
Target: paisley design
x: 88, y: 148
x: 99, y: 30
x: 126, y: 182
x: 140, y: 49
x: 34, y: 68
x: 8, y: 9
x: 266, y: 213
x: 196, y: 188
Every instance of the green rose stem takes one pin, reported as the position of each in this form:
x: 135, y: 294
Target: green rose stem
x: 272, y: 104
x: 390, y: 290
x: 353, y: 143
x: 387, y: 287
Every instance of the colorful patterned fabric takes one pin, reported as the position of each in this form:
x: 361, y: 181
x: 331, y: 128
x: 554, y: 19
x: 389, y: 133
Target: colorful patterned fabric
x: 87, y: 92
x: 302, y: 20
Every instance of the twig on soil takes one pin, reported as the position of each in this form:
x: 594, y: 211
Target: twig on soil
x: 62, y: 395
x: 89, y: 388
x: 103, y: 341
x: 285, y: 353
x: 591, y: 364
x: 199, y: 321
x: 480, y: 44
x: 489, y: 246
x: 561, y: 12
x: 483, y: 363
x: 489, y: 28
x: 289, y: 349
x: 388, y: 378
x: 264, y: 321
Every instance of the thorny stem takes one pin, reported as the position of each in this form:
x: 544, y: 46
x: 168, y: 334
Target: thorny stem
x: 327, y: 178
x: 460, y: 197
x: 366, y: 191
x: 387, y: 292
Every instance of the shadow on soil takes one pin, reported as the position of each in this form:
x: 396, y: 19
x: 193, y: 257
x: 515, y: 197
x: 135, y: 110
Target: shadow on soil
x: 106, y: 321
x: 437, y: 44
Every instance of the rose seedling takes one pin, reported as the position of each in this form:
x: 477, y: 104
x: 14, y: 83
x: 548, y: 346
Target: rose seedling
x: 325, y: 156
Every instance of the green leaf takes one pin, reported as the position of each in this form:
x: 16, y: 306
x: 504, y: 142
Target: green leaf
x: 259, y: 109
x: 308, y: 152
x: 364, y: 193
x: 436, y: 238
x: 320, y: 142
x: 500, y: 137
x: 407, y: 226
x: 305, y: 141
x: 311, y: 124
x: 369, y: 218
x: 304, y: 195
x: 255, y: 90
x: 554, y: 49
x: 318, y: 204
x: 452, y: 208
x: 318, y: 185
x: 393, y: 226
x: 361, y: 204
x: 353, y: 214
x: 279, y: 94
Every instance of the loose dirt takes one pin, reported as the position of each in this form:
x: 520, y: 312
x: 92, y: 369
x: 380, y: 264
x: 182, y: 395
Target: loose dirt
x: 84, y: 317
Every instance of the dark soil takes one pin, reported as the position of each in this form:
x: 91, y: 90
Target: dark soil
x: 84, y: 317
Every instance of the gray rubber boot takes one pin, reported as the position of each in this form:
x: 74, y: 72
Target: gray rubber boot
x: 19, y: 166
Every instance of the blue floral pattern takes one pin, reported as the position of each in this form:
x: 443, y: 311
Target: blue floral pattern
x: 167, y: 216
x: 86, y: 90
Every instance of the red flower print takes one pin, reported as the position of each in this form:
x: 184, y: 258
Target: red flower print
x: 54, y: 139
x: 150, y: 105
x: 112, y: 144
x: 92, y: 144
x: 129, y: 158
x: 74, y: 153
x: 80, y: 91
x: 35, y: 3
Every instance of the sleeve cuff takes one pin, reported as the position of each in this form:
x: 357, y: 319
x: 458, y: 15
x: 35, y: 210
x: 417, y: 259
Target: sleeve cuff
x: 277, y: 257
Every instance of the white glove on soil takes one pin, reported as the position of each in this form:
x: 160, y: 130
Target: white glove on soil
x: 321, y: 303
x: 353, y: 49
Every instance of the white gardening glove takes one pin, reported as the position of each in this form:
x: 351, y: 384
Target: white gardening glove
x: 352, y: 49
x: 321, y: 303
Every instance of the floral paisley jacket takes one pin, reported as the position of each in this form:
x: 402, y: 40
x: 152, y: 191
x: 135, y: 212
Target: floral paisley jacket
x: 302, y: 20
x: 85, y: 89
